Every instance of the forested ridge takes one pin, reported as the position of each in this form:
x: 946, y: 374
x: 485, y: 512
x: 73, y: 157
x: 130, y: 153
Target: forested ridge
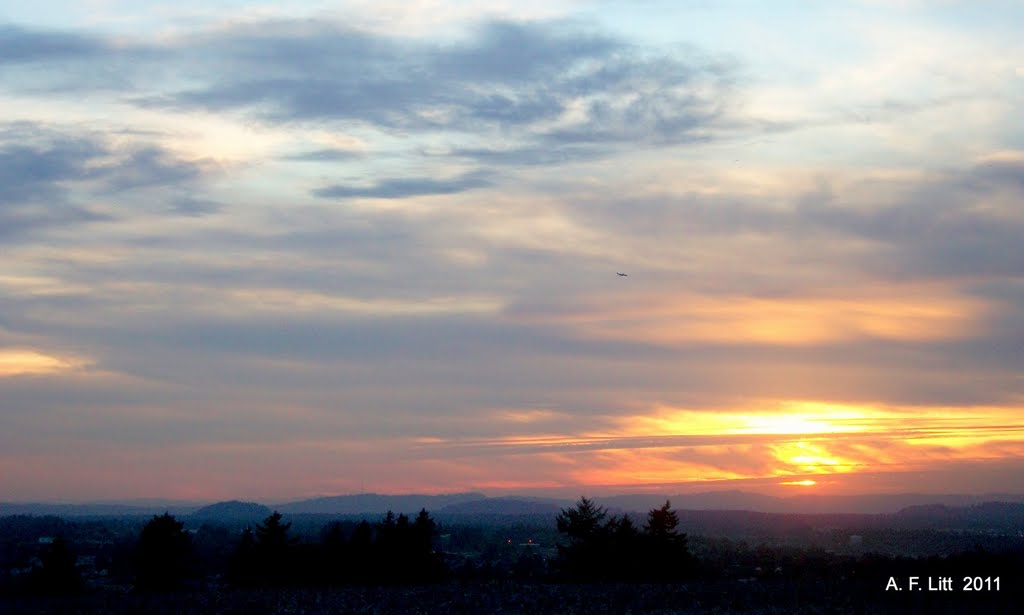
x: 585, y: 560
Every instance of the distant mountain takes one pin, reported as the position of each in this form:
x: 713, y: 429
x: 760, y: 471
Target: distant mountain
x: 233, y: 510
x: 511, y: 506
x: 930, y: 509
x: 711, y: 500
x: 802, y: 504
x: 93, y: 510
x: 888, y: 503
x: 1006, y: 516
x: 372, y: 503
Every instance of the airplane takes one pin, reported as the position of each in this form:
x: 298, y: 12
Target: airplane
x: 622, y: 274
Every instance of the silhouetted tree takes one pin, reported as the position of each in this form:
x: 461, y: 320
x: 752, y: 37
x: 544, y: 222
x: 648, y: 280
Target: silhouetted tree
x: 666, y: 554
x: 361, y: 563
x: 581, y: 522
x: 427, y: 565
x: 163, y: 555
x: 212, y: 545
x: 613, y: 549
x: 395, y: 549
x: 272, y: 550
x: 333, y: 536
x: 334, y: 554
x: 626, y: 549
x: 243, y: 569
x: 272, y: 535
x: 424, y: 529
x: 57, y: 574
x: 662, y: 522
x: 586, y: 556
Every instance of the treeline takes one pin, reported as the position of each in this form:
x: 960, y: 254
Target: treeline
x: 396, y: 550
x: 163, y: 556
x: 591, y: 546
x: 603, y: 548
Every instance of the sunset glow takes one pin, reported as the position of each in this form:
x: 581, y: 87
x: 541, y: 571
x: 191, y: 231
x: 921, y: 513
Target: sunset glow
x: 17, y: 362
x: 270, y: 251
x: 897, y: 313
x: 801, y: 483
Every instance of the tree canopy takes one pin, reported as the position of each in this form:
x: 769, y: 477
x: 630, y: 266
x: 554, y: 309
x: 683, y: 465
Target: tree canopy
x: 602, y: 547
x: 163, y: 555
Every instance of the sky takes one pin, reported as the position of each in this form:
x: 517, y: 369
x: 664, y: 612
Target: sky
x: 275, y: 251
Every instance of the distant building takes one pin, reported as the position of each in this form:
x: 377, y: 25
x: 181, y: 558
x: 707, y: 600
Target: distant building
x: 856, y: 540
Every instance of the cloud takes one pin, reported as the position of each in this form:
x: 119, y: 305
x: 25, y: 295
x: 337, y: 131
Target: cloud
x: 192, y: 206
x: 34, y: 172
x: 509, y: 52
x: 329, y: 72
x: 398, y: 188
x: 51, y: 175
x: 547, y: 90
x: 897, y: 312
x: 148, y: 166
x: 16, y: 222
x: 944, y: 224
x: 551, y: 83
x: 952, y: 225
x: 1006, y: 170
x: 527, y: 155
x: 21, y: 361
x: 20, y: 45
x: 35, y: 176
x: 324, y: 155
x: 484, y: 323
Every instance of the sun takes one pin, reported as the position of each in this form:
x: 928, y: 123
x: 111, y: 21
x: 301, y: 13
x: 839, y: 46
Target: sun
x: 800, y: 483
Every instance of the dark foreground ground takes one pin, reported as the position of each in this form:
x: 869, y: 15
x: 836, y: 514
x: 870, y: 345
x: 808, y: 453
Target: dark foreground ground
x: 521, y: 598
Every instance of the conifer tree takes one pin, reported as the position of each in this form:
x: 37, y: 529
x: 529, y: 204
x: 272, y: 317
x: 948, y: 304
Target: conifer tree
x: 163, y: 555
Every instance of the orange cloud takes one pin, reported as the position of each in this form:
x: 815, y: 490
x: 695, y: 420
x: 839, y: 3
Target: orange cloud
x: 905, y: 312
x: 802, y: 438
x: 20, y: 362
x: 796, y: 440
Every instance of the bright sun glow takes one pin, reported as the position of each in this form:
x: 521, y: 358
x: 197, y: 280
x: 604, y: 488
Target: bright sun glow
x: 800, y: 483
x: 788, y: 418
x: 805, y: 457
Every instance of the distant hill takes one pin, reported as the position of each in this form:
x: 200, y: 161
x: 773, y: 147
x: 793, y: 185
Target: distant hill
x: 1006, y: 516
x: 233, y: 510
x: 909, y: 508
x: 372, y: 503
x: 888, y: 503
x: 801, y: 504
x: 711, y: 500
x: 97, y: 509
x: 506, y: 506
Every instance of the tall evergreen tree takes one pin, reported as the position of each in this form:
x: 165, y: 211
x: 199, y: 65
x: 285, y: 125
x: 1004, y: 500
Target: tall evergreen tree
x: 424, y: 529
x: 243, y: 569
x: 427, y: 565
x: 363, y: 565
x: 272, y: 535
x: 273, y: 551
x: 626, y: 549
x: 334, y: 553
x: 163, y: 555
x: 586, y: 556
x: 666, y: 553
x: 582, y: 521
x: 662, y: 522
